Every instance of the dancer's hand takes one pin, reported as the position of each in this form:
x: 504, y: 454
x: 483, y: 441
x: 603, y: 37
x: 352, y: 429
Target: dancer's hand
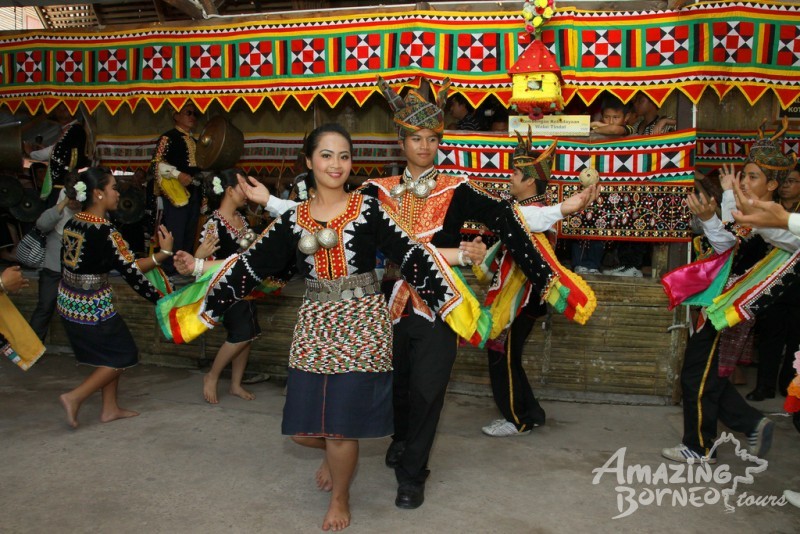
x: 475, y: 250
x: 701, y: 206
x: 183, y: 262
x: 254, y: 190
x: 728, y: 177
x: 208, y: 247
x: 581, y: 201
x: 165, y: 238
x: 13, y: 280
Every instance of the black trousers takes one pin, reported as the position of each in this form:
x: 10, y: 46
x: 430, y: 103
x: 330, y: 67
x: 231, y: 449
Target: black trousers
x: 777, y: 338
x: 707, y: 397
x: 631, y: 254
x: 46, y: 305
x: 510, y: 387
x: 424, y: 354
x: 182, y: 222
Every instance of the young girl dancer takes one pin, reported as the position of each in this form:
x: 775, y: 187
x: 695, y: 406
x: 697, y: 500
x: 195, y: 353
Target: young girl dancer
x: 98, y: 335
x: 224, y: 234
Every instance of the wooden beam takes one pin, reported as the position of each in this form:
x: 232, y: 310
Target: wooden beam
x: 159, y: 7
x: 188, y: 7
x: 210, y: 7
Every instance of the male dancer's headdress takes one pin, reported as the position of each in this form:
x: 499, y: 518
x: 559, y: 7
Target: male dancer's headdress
x: 767, y: 154
x: 415, y: 113
x: 533, y: 166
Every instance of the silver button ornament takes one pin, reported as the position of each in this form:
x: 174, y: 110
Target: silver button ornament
x: 247, y: 239
x: 308, y: 244
x: 398, y: 191
x: 327, y: 238
x: 421, y: 190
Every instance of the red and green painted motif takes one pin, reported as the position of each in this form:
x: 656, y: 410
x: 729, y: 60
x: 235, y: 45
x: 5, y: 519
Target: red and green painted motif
x: 752, y: 47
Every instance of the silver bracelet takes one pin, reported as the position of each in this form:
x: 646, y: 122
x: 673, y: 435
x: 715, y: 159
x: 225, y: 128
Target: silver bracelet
x: 153, y: 257
x: 167, y: 252
x: 198, y: 267
x: 463, y: 260
x: 2, y: 286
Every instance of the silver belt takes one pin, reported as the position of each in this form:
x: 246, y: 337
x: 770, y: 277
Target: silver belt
x: 85, y: 281
x: 346, y: 288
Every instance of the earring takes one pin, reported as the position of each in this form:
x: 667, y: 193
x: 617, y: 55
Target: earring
x: 99, y: 197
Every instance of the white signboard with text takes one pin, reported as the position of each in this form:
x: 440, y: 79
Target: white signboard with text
x: 550, y: 125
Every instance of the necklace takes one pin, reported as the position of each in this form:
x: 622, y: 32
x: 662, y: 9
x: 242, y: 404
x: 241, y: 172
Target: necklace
x: 88, y: 217
x: 532, y: 200
x: 420, y: 188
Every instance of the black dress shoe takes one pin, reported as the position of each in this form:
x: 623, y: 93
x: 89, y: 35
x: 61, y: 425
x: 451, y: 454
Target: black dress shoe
x: 395, y: 453
x: 410, y: 495
x: 759, y: 394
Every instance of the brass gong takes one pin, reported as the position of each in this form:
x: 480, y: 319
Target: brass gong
x: 11, y: 146
x: 220, y: 145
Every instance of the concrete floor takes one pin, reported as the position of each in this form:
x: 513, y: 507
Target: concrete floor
x: 186, y: 466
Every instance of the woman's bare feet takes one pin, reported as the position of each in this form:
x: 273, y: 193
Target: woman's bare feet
x: 323, y: 476
x: 210, y: 389
x: 239, y: 391
x: 338, y: 516
x: 71, y: 407
x: 119, y: 413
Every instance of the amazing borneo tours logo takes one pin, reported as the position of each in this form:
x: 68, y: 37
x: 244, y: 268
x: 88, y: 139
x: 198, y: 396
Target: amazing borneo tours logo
x: 695, y: 483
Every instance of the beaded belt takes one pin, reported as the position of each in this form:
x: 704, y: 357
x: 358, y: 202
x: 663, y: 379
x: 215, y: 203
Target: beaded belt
x: 348, y: 287
x: 85, y: 281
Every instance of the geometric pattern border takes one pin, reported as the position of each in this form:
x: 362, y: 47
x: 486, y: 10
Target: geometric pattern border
x: 717, y: 148
x: 754, y: 48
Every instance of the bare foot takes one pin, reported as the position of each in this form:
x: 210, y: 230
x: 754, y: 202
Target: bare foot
x: 323, y: 476
x: 338, y: 516
x: 210, y: 389
x: 119, y: 413
x: 239, y: 391
x: 71, y: 407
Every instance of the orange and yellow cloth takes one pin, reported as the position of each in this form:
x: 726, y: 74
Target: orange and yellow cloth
x: 24, y: 347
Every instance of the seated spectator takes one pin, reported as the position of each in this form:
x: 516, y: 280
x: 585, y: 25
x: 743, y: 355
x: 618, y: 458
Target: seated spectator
x: 789, y: 191
x: 649, y: 122
x: 498, y: 120
x: 461, y: 110
x: 614, y: 120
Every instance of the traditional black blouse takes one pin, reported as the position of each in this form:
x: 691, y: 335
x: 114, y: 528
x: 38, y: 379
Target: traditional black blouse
x: 177, y: 148
x: 228, y: 235
x: 92, y: 246
x: 362, y: 229
x: 61, y: 156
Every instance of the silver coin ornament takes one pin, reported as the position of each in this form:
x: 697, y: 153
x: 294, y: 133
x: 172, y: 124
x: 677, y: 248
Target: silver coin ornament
x: 247, y: 239
x: 327, y: 238
x: 398, y: 191
x: 421, y: 190
x: 308, y: 244
x: 431, y: 184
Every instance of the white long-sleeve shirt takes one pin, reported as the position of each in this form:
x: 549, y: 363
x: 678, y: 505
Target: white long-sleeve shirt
x: 777, y: 237
x: 794, y: 224
x: 716, y: 233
